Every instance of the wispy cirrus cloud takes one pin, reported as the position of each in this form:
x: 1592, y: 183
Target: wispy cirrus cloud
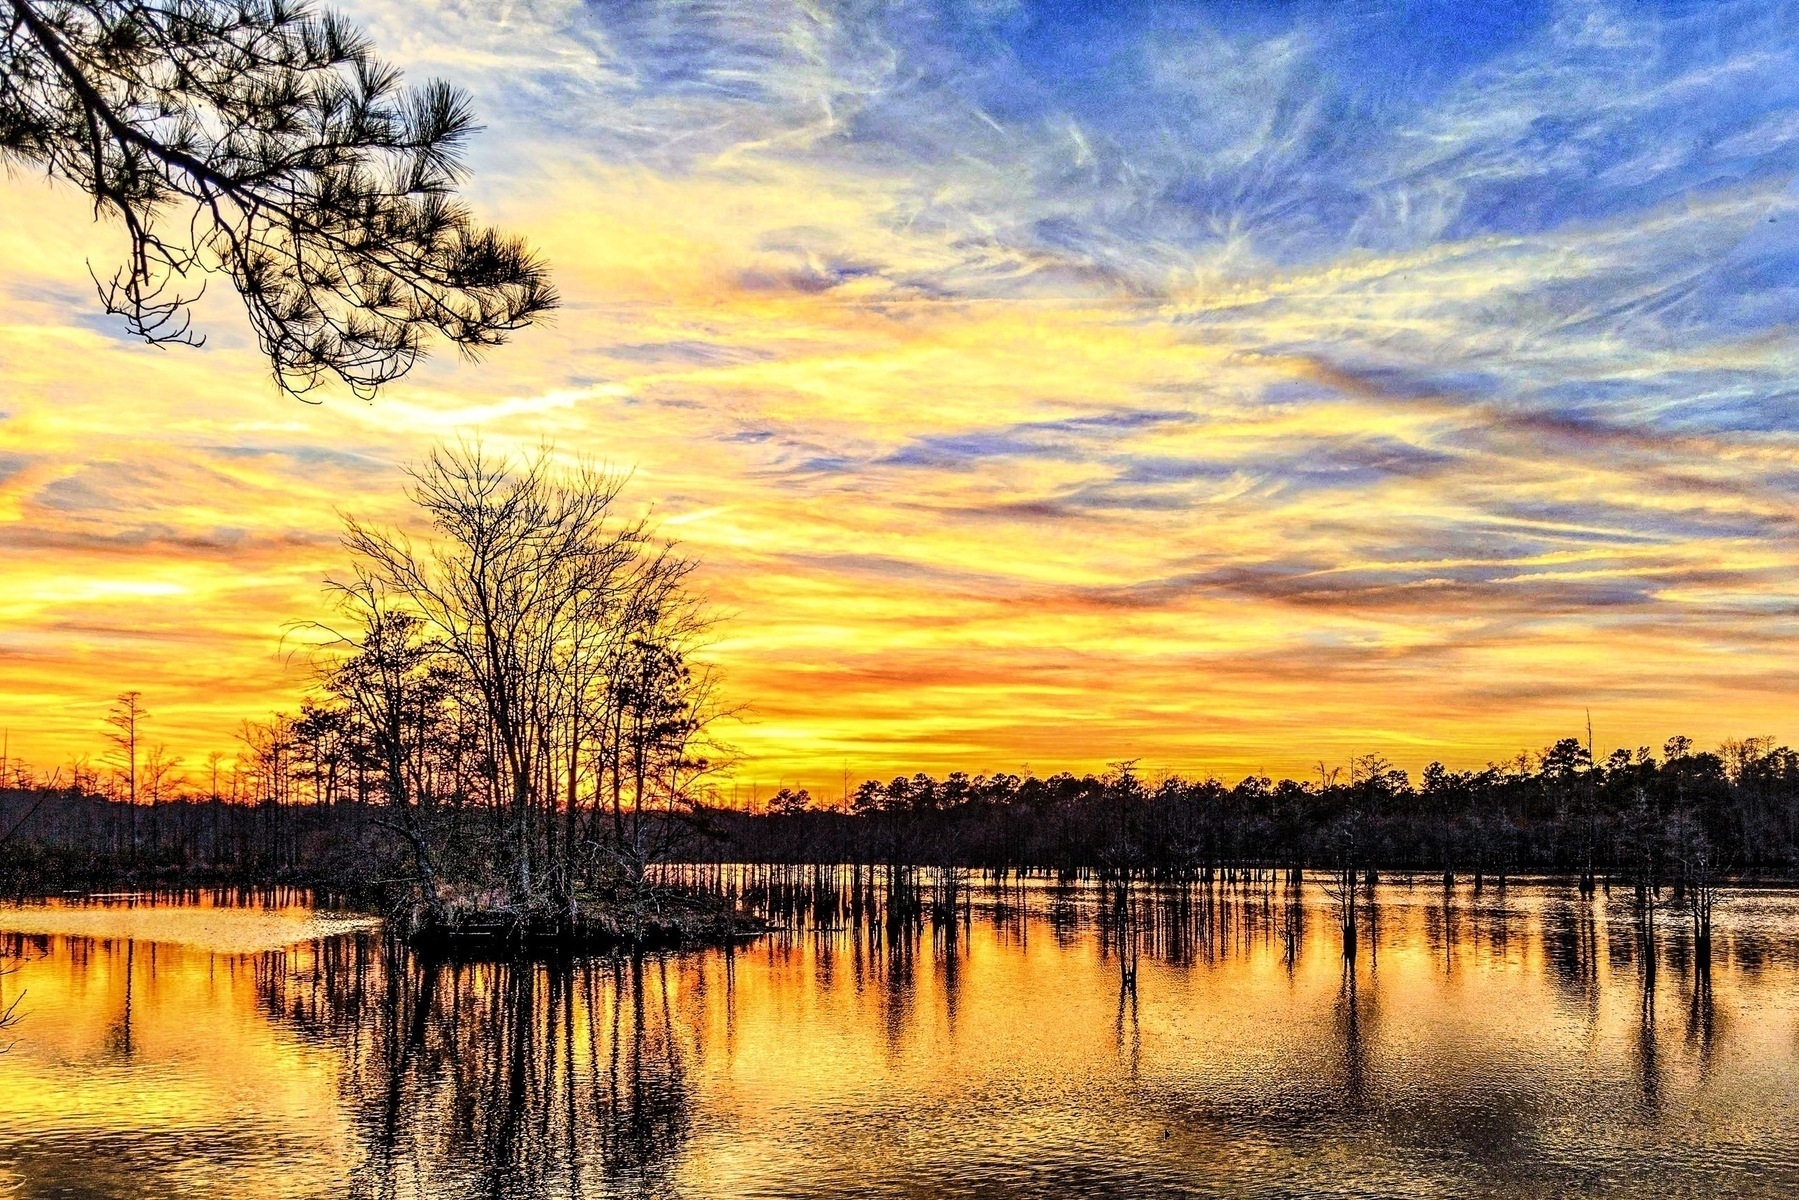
x: 1039, y: 383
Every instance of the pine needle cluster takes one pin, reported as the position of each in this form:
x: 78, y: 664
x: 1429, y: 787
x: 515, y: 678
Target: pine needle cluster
x: 264, y: 140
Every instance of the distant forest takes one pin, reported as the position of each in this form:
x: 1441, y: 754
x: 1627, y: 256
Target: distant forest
x: 1629, y: 816
x: 308, y: 806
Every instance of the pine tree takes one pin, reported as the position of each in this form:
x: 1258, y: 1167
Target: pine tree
x: 263, y: 140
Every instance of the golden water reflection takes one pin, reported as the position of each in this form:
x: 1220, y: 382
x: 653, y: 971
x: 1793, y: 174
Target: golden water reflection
x: 1510, y: 1043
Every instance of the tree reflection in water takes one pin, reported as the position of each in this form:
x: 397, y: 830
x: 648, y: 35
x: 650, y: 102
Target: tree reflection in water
x: 1199, y: 1038
x: 1353, y: 1084
x: 504, y: 1078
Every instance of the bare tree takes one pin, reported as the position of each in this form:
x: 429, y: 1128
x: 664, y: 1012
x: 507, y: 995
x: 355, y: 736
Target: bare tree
x: 267, y: 766
x: 562, y: 638
x: 1340, y: 883
x: 265, y: 141
x: 387, y: 680
x: 1702, y: 896
x: 501, y: 587
x: 662, y: 708
x: 162, y: 774
x: 123, y: 721
x: 162, y: 777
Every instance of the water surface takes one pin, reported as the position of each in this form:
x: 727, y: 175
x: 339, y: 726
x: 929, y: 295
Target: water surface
x: 1515, y: 1042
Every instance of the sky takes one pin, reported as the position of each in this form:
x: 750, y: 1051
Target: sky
x: 1230, y: 387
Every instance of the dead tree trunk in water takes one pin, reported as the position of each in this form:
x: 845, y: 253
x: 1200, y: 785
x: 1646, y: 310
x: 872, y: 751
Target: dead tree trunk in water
x: 1702, y: 895
x: 1342, y: 887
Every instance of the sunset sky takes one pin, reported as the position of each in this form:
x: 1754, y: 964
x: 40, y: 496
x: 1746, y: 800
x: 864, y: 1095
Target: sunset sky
x: 1228, y: 387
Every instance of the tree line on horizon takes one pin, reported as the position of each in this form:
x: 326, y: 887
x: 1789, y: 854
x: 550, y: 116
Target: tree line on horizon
x: 308, y: 790
x: 1629, y: 815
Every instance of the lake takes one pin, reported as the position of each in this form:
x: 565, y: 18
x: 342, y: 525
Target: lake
x: 1522, y: 1041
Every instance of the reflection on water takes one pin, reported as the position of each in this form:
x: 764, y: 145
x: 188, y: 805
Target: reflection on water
x: 925, y: 1036
x: 485, y: 1080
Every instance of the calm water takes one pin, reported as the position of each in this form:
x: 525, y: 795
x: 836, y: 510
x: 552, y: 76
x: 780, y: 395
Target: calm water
x: 1511, y: 1043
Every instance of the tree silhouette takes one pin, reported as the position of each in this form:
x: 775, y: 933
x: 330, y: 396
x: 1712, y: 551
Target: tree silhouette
x: 558, y: 639
x: 265, y: 141
x: 123, y: 720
